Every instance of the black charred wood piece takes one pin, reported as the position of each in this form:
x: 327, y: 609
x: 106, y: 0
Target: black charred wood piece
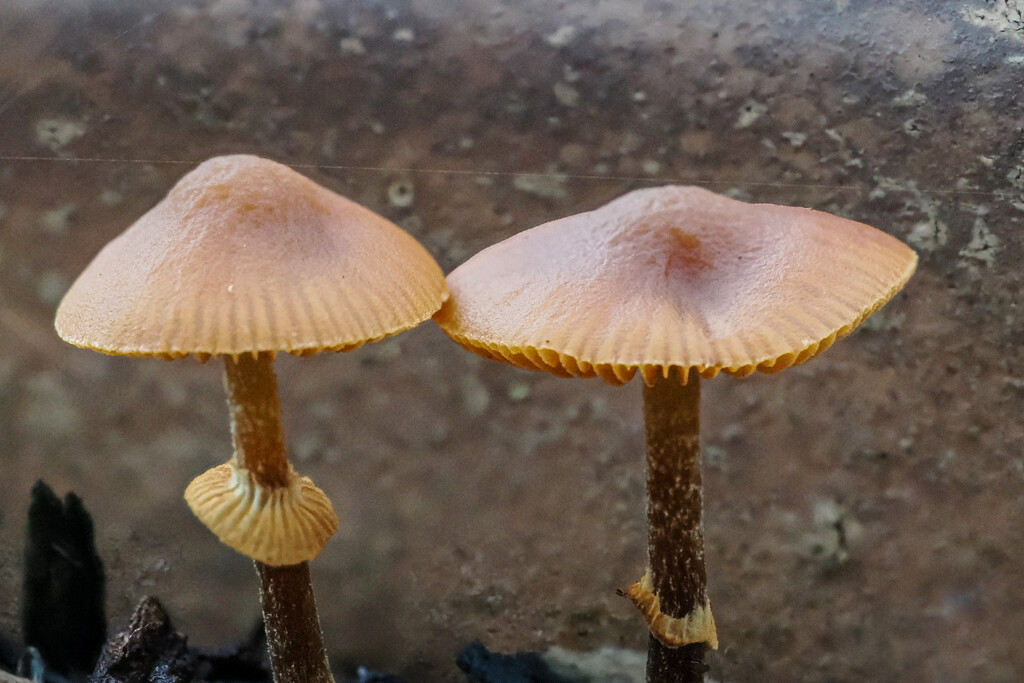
x: 63, y: 589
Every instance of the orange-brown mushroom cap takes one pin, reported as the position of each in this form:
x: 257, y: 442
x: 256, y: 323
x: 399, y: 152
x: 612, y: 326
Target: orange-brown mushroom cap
x: 673, y: 277
x: 246, y: 255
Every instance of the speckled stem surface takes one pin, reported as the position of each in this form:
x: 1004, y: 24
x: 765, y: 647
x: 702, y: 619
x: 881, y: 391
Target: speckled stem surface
x: 674, y: 506
x: 296, y: 644
x: 678, y: 664
x: 294, y: 638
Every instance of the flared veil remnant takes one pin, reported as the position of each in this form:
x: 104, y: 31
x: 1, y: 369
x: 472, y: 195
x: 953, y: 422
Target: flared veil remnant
x: 278, y: 526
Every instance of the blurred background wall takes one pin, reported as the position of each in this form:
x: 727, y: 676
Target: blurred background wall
x: 863, y: 511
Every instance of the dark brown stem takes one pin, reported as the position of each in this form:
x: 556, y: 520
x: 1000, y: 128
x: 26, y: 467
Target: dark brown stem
x: 685, y: 664
x: 296, y: 644
x: 674, y: 506
x: 293, y: 631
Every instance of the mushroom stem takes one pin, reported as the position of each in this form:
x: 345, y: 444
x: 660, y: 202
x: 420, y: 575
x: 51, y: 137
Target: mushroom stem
x: 676, y: 537
x: 293, y: 631
x: 256, y: 418
x: 675, y: 664
x: 294, y: 638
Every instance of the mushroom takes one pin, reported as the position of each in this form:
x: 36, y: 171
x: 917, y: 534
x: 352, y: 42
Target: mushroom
x: 242, y: 259
x: 676, y: 284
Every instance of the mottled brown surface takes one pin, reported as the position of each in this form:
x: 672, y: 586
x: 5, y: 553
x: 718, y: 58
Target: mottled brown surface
x: 294, y: 637
x: 675, y: 545
x: 863, y: 511
x: 674, y: 507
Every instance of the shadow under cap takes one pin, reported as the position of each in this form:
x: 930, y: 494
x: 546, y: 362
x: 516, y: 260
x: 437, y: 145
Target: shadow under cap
x: 245, y: 255
x: 673, y: 277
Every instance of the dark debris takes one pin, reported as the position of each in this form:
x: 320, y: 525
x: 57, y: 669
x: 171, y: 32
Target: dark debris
x: 150, y: 650
x: 63, y: 590
x: 483, y: 666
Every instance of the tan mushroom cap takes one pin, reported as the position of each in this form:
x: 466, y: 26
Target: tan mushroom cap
x: 673, y: 277
x: 278, y: 526
x: 246, y: 255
